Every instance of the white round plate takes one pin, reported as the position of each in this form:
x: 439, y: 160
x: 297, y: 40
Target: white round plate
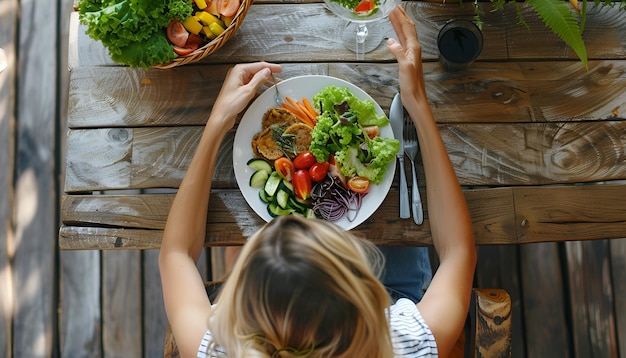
x: 296, y: 88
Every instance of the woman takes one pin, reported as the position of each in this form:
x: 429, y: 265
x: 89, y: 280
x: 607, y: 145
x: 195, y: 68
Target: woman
x: 306, y: 287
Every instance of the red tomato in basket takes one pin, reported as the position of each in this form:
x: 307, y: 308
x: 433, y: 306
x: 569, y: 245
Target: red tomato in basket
x: 177, y: 34
x: 228, y: 7
x: 284, y: 167
x: 304, y: 160
x: 302, y: 184
x: 359, y: 185
x: 318, y: 171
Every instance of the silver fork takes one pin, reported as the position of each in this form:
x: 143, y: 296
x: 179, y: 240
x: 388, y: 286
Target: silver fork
x: 410, y: 149
x: 277, y: 96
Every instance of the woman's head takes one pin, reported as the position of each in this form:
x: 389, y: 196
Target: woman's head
x: 304, y: 285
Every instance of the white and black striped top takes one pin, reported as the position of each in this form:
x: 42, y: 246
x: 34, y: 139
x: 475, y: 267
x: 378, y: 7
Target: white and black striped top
x: 410, y: 334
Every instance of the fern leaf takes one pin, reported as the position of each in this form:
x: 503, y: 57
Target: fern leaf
x: 559, y: 17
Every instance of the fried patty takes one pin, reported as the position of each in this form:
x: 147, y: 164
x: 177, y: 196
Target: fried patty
x: 263, y: 144
x: 277, y: 116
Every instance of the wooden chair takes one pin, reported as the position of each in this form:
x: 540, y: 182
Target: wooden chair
x: 487, y: 330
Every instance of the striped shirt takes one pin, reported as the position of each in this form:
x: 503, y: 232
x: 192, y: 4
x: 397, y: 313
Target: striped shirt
x: 410, y: 335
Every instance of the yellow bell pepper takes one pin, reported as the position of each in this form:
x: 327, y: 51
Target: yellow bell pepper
x: 192, y: 24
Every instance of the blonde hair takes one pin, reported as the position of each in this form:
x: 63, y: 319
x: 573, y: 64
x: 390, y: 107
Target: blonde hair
x: 304, y: 287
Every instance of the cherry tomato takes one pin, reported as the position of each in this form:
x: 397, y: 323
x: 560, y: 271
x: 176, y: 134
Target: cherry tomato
x: 284, y: 167
x: 365, y: 6
x: 228, y: 7
x: 371, y: 131
x: 359, y: 185
x: 304, y: 160
x: 302, y: 184
x: 177, y: 34
x: 318, y: 171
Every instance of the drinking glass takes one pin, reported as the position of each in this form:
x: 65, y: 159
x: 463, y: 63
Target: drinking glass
x: 357, y: 36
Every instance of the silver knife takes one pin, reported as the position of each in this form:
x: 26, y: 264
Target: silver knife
x: 396, y: 118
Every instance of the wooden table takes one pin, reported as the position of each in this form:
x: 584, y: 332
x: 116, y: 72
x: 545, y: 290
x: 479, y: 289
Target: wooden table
x: 538, y: 142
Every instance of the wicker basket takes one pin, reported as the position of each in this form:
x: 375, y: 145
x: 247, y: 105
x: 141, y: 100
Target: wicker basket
x: 215, y: 44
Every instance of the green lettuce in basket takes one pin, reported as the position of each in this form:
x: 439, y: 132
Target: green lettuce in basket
x: 133, y: 30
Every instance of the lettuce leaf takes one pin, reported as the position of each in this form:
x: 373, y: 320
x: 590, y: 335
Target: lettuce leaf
x: 365, y: 111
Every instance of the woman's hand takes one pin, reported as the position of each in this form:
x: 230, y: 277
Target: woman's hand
x: 408, y: 53
x: 240, y: 86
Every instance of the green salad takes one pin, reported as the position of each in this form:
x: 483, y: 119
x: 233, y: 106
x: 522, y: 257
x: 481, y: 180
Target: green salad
x: 341, y: 131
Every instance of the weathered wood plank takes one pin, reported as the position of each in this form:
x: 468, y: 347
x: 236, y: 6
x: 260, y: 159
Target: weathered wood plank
x: 571, y: 213
x: 500, y: 216
x: 153, y: 310
x: 482, y: 154
x: 544, y: 302
x: 8, y: 44
x: 487, y: 92
x: 618, y: 278
x: 591, y: 295
x: 604, y: 36
x: 80, y: 316
x: 35, y: 257
x: 121, y: 304
x: 317, y: 29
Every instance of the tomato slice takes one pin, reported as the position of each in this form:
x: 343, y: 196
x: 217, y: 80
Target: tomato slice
x: 318, y: 171
x: 371, y: 131
x: 184, y: 51
x: 228, y: 7
x: 302, y: 184
x: 359, y: 185
x: 284, y: 167
x: 365, y: 6
x: 304, y: 160
x: 177, y: 34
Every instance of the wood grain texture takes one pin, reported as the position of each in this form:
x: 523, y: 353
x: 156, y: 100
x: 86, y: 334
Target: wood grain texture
x: 80, y: 294
x: 493, y: 323
x: 544, y: 301
x: 267, y: 34
x: 482, y: 154
x: 121, y: 304
x: 487, y: 92
x: 618, y: 280
x: 8, y: 43
x: 591, y: 294
x: 498, y: 266
x: 500, y: 216
x: 35, y: 187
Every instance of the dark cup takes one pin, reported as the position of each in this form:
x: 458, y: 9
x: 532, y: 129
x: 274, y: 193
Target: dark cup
x: 459, y: 43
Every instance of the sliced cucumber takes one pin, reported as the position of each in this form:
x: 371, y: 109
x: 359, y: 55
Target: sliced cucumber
x: 276, y: 210
x: 310, y: 214
x: 286, y: 186
x: 260, y: 164
x: 258, y: 178
x: 271, y: 185
x: 300, y: 208
x: 264, y: 197
x: 282, y: 198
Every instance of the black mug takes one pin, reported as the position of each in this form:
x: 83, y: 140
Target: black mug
x: 459, y: 43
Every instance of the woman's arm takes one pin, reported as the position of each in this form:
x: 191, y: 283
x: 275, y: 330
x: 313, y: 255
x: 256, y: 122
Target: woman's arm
x: 186, y: 302
x: 446, y: 302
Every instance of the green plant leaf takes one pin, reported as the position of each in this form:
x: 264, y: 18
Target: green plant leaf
x: 560, y: 18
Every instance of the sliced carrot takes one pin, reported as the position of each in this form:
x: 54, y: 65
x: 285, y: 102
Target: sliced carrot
x: 309, y: 106
x: 298, y: 113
